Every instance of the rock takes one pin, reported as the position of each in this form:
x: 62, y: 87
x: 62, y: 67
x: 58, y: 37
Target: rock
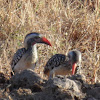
x: 27, y: 84
x: 26, y: 79
x: 60, y: 88
x: 91, y: 98
x: 78, y: 77
x: 4, y: 79
x: 64, y: 83
x: 94, y: 92
x: 21, y: 94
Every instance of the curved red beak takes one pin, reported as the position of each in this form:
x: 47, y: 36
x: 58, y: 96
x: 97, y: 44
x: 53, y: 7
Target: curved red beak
x: 73, y: 68
x: 44, y: 40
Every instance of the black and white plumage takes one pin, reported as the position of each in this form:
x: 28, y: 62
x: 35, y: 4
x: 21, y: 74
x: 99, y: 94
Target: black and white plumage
x: 17, y: 56
x: 60, y: 64
x: 27, y: 57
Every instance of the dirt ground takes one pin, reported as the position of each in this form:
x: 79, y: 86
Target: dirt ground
x: 27, y: 85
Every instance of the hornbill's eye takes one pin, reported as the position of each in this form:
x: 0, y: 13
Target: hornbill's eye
x: 37, y: 37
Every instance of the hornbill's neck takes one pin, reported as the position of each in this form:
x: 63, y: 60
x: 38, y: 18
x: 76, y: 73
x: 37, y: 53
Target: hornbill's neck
x: 32, y: 50
x: 34, y: 53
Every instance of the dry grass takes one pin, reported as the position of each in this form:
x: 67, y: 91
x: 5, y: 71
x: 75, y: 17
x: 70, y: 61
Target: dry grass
x: 67, y: 25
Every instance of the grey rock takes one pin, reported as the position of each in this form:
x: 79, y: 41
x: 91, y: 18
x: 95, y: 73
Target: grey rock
x: 26, y: 79
x: 29, y: 85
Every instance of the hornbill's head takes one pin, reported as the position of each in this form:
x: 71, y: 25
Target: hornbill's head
x: 74, y: 59
x: 33, y: 38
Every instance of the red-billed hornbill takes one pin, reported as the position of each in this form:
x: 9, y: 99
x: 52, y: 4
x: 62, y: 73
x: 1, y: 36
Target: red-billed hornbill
x: 60, y: 64
x: 27, y: 57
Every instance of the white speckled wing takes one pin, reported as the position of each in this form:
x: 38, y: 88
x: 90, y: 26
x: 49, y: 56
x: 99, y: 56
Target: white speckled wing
x: 55, y: 61
x: 17, y: 56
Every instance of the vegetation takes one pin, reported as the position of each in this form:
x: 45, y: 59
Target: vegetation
x: 68, y: 24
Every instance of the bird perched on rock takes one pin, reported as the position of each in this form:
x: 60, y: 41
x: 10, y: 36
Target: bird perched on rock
x: 60, y: 64
x: 27, y: 57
